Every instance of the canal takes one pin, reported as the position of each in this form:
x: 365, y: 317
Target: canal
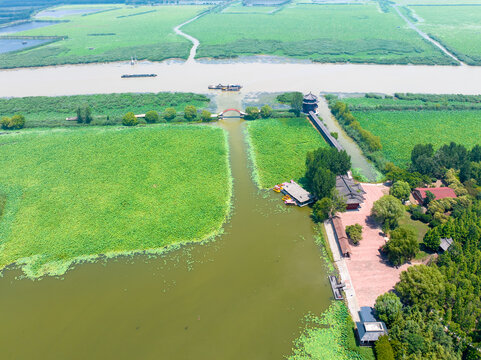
x: 242, y: 296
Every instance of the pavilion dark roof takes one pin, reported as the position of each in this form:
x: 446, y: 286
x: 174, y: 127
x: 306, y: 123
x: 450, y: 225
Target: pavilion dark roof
x: 348, y: 189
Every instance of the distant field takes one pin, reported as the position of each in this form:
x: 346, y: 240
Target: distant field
x: 52, y: 111
x: 279, y: 147
x: 239, y: 8
x: 401, y: 130
x: 119, y: 34
x: 327, y: 33
x: 74, y: 194
x: 363, y: 103
x: 456, y: 27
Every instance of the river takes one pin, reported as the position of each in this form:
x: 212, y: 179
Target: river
x: 255, y: 76
x: 242, y: 296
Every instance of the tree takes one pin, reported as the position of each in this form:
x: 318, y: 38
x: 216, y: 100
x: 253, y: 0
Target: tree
x: 190, y: 113
x: 14, y: 123
x: 152, y: 117
x: 423, y: 285
x: 266, y: 111
x: 169, y: 114
x: 402, y: 245
x: 129, y: 119
x: 322, y: 183
x: 354, y: 232
x: 296, y: 103
x: 421, y: 150
x: 429, y: 198
x: 88, y: 114
x: 339, y: 162
x: 400, y: 190
x: 252, y: 113
x: 205, y: 116
x: 322, y: 209
x: 79, y: 115
x: 475, y: 153
x: 387, y: 211
x: 432, y: 239
x: 388, y: 308
x: 384, y: 349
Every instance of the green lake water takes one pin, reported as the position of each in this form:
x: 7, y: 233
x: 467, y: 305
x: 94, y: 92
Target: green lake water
x: 242, y: 296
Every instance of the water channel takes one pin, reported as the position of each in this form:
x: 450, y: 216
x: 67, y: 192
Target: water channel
x: 242, y: 296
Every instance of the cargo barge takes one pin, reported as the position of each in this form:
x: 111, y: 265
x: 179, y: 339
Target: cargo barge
x: 127, y: 76
x: 225, y: 87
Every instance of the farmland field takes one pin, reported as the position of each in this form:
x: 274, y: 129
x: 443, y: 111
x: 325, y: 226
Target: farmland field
x: 326, y: 33
x: 401, y: 130
x: 74, y: 194
x: 278, y: 148
x: 118, y: 34
x: 52, y: 111
x: 456, y: 27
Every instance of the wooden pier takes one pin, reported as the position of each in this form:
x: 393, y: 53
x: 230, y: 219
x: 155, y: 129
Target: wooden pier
x: 336, y: 287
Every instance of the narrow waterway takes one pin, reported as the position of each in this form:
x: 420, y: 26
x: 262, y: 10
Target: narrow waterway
x: 357, y: 158
x: 195, y: 42
x: 426, y: 36
x: 242, y: 296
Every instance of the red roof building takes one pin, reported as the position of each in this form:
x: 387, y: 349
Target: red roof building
x: 439, y: 193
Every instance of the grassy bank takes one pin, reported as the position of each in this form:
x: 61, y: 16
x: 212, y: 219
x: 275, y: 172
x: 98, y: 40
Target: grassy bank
x: 330, y: 337
x: 456, y: 27
x: 52, y: 111
x: 326, y: 33
x: 401, y: 130
x: 278, y: 148
x: 127, y: 31
x: 74, y: 194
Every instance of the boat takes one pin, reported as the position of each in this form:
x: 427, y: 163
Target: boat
x: 127, y: 76
x: 225, y: 87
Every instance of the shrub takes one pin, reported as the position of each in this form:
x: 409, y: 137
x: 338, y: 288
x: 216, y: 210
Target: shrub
x: 190, y: 113
x: 205, y: 116
x: 321, y: 209
x: 384, y: 349
x: 354, y: 232
x: 266, y: 111
x: 169, y: 114
x: 14, y: 123
x: 152, y: 117
x: 252, y: 113
x: 129, y: 119
x: 387, y: 211
x: 401, y: 190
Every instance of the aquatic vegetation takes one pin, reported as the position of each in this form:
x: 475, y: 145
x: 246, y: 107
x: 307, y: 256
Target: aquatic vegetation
x: 130, y: 37
x: 278, y: 148
x: 106, y: 108
x: 74, y: 194
x: 325, y: 33
x: 414, y: 127
x: 329, y: 337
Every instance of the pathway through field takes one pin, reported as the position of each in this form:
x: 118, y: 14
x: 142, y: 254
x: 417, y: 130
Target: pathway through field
x: 195, y: 42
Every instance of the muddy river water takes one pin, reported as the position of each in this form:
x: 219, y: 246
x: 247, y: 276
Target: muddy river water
x: 242, y: 296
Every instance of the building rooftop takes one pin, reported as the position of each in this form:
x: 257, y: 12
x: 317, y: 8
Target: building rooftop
x: 439, y: 193
x: 297, y: 192
x: 446, y: 243
x: 370, y: 331
x: 341, y: 235
x: 310, y: 97
x: 347, y: 188
x: 367, y: 314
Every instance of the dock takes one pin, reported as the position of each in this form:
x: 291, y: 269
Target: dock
x: 326, y: 134
x: 300, y: 196
x: 336, y: 287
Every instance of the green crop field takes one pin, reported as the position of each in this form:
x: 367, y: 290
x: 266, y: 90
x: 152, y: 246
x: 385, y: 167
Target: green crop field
x: 326, y: 33
x: 74, y: 194
x: 401, y: 130
x: 142, y: 31
x: 278, y: 148
x: 238, y: 8
x: 52, y: 111
x: 456, y: 27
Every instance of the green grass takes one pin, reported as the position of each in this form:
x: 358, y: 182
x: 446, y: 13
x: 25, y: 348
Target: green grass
x: 329, y: 337
x: 74, y: 194
x: 420, y: 228
x: 52, y: 111
x: 148, y: 35
x: 327, y: 33
x: 401, y: 130
x: 456, y: 27
x: 278, y: 148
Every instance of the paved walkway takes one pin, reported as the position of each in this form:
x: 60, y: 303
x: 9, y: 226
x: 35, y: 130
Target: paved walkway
x: 343, y: 272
